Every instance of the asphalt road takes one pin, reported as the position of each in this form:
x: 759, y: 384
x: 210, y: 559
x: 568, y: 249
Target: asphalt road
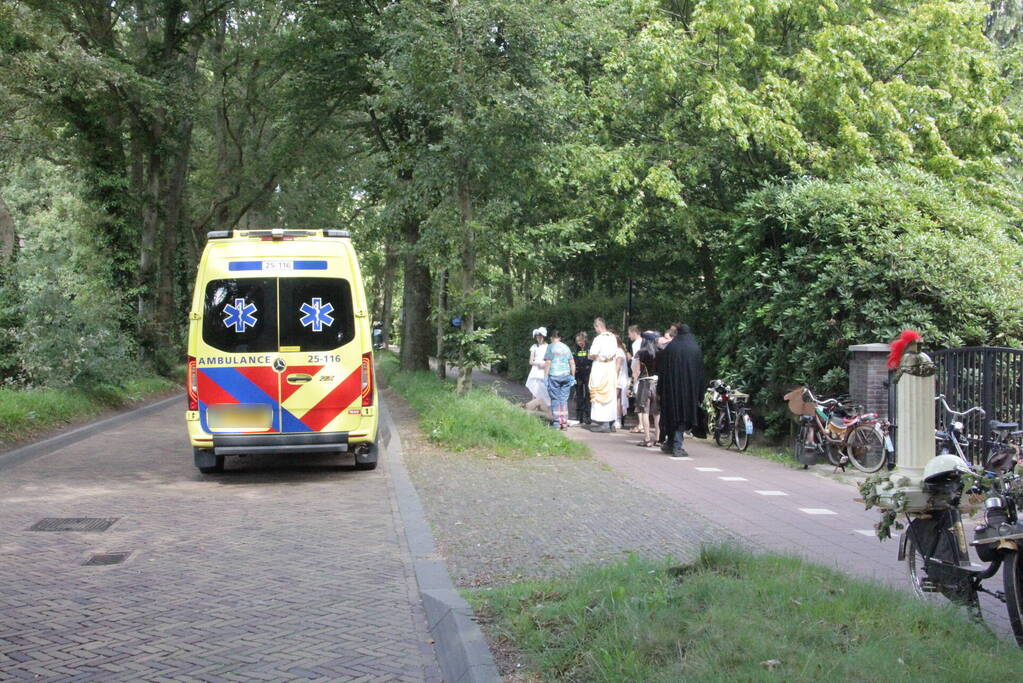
x: 280, y: 568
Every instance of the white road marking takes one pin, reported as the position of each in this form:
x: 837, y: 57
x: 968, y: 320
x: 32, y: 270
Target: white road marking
x: 733, y: 478
x: 772, y: 493
x: 679, y: 458
x: 708, y: 469
x: 818, y: 511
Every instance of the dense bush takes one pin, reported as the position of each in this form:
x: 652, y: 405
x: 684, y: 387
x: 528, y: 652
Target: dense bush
x: 514, y: 327
x: 64, y: 305
x: 815, y: 266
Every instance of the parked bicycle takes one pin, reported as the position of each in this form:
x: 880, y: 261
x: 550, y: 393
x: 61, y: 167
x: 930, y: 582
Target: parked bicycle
x: 833, y: 430
x: 934, y: 545
x: 732, y: 421
x: 1001, y: 449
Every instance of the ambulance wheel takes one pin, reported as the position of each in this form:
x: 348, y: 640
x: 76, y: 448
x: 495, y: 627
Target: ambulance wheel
x: 366, y: 458
x: 207, y: 462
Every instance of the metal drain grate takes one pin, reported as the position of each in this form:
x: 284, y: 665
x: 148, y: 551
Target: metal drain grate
x: 73, y: 524
x: 104, y: 559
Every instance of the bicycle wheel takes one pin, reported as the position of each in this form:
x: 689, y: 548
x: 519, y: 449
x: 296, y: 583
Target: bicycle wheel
x: 916, y: 574
x: 865, y: 448
x: 723, y: 431
x: 799, y: 444
x: 945, y: 581
x: 741, y: 436
x: 833, y: 453
x: 1012, y: 573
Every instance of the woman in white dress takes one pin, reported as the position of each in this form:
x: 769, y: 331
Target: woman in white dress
x: 603, y: 378
x: 536, y: 382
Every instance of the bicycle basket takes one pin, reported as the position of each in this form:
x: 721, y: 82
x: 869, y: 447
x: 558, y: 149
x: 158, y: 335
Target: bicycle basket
x: 797, y: 404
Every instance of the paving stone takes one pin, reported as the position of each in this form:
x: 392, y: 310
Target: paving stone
x: 499, y: 520
x: 279, y: 568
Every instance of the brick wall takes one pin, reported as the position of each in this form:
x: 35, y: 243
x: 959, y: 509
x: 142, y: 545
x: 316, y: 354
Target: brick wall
x: 868, y: 372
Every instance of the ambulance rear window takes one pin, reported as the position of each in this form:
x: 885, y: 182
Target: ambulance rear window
x: 316, y: 313
x: 259, y: 314
x: 241, y: 315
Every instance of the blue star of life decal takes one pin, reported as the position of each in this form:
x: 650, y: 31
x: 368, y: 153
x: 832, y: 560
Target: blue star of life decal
x: 239, y: 315
x: 317, y: 314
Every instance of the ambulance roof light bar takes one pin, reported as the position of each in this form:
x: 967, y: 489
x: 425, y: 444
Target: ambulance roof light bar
x: 337, y: 233
x: 218, y: 235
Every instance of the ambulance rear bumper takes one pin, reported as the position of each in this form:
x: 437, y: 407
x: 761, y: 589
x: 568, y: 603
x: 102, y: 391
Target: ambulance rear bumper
x: 251, y: 444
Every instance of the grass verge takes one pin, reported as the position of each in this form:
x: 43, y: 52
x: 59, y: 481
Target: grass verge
x: 25, y: 413
x: 778, y: 454
x: 735, y: 616
x: 481, y: 420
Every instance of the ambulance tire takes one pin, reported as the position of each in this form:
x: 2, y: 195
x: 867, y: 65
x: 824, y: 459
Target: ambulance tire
x: 369, y: 460
x: 207, y: 462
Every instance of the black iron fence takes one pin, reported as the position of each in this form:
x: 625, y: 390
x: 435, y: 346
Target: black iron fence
x: 987, y: 376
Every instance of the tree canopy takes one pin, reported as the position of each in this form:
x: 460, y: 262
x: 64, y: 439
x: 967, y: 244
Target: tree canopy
x: 762, y: 169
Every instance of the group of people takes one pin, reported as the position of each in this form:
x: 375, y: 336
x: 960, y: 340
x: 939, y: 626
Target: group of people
x: 664, y: 372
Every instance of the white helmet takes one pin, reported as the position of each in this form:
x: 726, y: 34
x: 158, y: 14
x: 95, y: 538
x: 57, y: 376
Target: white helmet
x: 942, y: 467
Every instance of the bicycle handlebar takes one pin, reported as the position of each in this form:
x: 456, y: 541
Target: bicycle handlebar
x: 825, y: 402
x: 944, y: 404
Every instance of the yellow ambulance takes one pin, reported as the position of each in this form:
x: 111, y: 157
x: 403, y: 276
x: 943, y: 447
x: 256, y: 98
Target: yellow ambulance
x: 280, y: 356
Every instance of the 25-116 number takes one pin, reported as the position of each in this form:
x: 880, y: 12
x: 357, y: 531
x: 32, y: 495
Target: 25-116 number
x: 324, y: 358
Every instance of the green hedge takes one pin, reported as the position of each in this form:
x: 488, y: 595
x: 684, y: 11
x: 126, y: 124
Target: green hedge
x: 514, y: 327
x: 819, y: 265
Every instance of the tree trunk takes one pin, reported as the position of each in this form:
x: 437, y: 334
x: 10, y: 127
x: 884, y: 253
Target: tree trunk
x: 390, y: 266
x: 166, y: 301
x: 442, y: 366
x: 463, y: 191
x: 8, y: 236
x: 415, y: 328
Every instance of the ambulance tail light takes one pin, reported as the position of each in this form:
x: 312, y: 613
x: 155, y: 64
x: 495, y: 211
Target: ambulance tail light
x: 193, y: 384
x: 367, y: 379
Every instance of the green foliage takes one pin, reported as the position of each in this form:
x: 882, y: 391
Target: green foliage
x: 68, y: 334
x: 479, y: 421
x: 726, y: 615
x: 818, y: 265
x: 25, y: 413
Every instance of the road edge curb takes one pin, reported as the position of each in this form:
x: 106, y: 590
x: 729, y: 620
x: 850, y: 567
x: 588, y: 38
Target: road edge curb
x: 462, y: 651
x: 54, y: 443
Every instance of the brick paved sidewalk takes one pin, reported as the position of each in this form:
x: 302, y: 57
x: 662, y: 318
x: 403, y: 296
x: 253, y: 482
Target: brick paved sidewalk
x: 280, y: 568
x: 504, y: 519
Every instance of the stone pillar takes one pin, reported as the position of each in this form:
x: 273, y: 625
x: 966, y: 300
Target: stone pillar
x: 915, y: 397
x: 868, y: 371
x: 914, y: 444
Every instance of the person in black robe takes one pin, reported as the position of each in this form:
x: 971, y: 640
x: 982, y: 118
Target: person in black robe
x: 680, y: 387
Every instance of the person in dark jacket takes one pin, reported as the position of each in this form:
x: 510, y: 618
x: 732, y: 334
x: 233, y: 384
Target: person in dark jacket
x: 680, y: 387
x: 582, y: 378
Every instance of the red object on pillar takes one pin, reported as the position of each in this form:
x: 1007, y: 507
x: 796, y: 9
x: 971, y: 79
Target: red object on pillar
x: 899, y: 347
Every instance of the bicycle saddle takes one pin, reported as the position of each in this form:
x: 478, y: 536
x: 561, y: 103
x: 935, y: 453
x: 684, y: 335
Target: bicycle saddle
x: 995, y: 424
